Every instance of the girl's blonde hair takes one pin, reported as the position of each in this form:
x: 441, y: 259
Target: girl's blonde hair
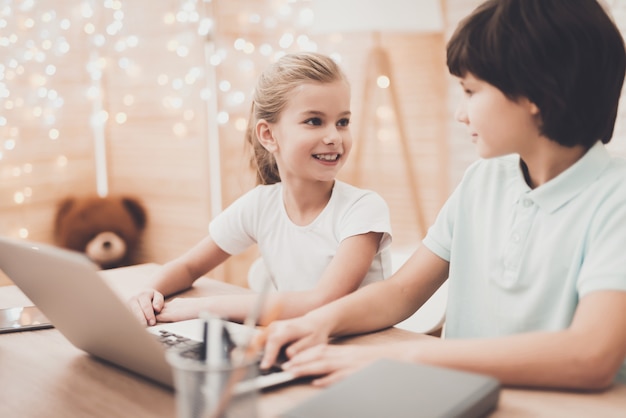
x: 271, y: 95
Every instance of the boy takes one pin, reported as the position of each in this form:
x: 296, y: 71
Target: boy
x: 532, y: 241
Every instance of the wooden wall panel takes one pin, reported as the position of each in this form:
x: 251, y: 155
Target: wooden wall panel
x: 43, y: 91
x: 158, y: 151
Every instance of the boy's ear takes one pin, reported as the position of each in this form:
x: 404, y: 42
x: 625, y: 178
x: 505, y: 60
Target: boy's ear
x: 534, y: 110
x: 265, y: 136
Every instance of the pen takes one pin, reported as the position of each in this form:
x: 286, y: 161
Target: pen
x: 215, y: 355
x: 205, y: 337
x: 251, y: 349
x: 217, y: 343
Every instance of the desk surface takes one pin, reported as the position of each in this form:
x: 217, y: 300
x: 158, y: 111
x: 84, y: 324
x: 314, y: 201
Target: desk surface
x: 42, y: 374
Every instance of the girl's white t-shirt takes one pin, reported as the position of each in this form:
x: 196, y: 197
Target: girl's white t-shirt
x: 296, y: 256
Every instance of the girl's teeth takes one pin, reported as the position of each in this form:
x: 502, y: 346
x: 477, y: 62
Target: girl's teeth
x: 327, y: 157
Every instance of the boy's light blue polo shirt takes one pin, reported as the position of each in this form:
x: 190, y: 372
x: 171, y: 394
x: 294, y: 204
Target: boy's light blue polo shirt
x: 520, y: 259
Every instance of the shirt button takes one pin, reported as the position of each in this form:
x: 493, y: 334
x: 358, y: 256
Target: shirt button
x: 527, y: 203
x: 515, y: 237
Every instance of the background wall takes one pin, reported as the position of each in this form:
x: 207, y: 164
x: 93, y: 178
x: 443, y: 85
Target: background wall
x: 151, y: 99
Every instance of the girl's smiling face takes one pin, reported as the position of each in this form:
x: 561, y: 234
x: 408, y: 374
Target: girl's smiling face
x: 312, y: 140
x: 497, y: 124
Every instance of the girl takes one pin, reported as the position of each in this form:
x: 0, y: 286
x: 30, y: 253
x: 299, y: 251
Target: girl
x: 318, y: 237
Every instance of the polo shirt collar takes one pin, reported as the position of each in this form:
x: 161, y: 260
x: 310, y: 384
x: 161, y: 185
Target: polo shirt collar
x: 564, y: 187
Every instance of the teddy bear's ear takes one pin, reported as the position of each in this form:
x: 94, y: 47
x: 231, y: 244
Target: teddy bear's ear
x: 63, y: 208
x: 136, y: 210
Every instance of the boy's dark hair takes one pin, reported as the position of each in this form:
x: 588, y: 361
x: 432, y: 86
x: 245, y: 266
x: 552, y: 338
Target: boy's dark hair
x: 566, y: 56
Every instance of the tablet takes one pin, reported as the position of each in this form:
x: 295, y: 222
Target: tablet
x: 22, y: 318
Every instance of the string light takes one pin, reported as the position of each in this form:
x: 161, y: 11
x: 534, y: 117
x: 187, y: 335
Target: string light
x: 383, y: 81
x: 37, y: 40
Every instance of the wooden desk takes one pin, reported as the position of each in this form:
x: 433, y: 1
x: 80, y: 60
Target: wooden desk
x: 43, y: 375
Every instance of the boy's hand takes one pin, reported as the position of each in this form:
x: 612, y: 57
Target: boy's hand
x: 332, y: 363
x: 295, y: 334
x: 145, y: 305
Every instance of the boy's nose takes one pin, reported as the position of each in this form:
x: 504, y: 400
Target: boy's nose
x: 461, y: 115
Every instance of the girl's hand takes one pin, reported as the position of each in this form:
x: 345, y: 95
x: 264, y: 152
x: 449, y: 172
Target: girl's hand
x: 332, y: 362
x: 145, y: 305
x: 180, y: 309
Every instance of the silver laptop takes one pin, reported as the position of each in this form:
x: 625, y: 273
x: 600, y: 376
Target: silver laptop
x: 68, y: 289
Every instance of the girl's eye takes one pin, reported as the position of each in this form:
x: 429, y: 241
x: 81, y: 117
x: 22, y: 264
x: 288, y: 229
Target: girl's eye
x: 343, y: 122
x: 313, y: 121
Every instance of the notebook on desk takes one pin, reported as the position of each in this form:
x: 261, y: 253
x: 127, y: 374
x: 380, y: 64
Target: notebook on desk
x: 68, y: 289
x: 390, y: 388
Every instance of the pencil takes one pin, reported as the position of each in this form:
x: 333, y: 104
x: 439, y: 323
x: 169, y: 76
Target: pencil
x: 253, y: 348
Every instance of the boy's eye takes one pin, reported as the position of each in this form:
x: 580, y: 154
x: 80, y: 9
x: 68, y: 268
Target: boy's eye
x: 343, y: 122
x: 313, y: 121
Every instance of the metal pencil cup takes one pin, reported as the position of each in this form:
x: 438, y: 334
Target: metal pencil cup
x: 202, y: 388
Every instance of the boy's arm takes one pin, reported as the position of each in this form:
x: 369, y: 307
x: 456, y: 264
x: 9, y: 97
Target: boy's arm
x: 384, y: 304
x: 375, y: 306
x: 586, y: 355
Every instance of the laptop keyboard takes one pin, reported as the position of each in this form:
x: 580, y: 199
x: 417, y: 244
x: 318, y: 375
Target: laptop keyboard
x: 189, y: 348
x: 193, y: 349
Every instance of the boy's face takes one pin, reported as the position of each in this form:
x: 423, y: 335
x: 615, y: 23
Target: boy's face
x: 497, y: 124
x: 312, y: 136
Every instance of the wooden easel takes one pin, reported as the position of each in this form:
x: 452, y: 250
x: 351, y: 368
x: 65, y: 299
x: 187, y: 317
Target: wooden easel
x: 378, y: 64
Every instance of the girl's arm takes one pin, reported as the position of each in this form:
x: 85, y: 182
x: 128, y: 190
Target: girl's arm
x: 176, y: 276
x: 343, y: 275
x: 179, y: 274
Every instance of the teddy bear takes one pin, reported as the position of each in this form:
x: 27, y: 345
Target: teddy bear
x: 107, y: 229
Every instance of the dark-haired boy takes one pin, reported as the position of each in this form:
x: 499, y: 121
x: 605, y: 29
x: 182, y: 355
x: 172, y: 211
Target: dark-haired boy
x: 532, y: 241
